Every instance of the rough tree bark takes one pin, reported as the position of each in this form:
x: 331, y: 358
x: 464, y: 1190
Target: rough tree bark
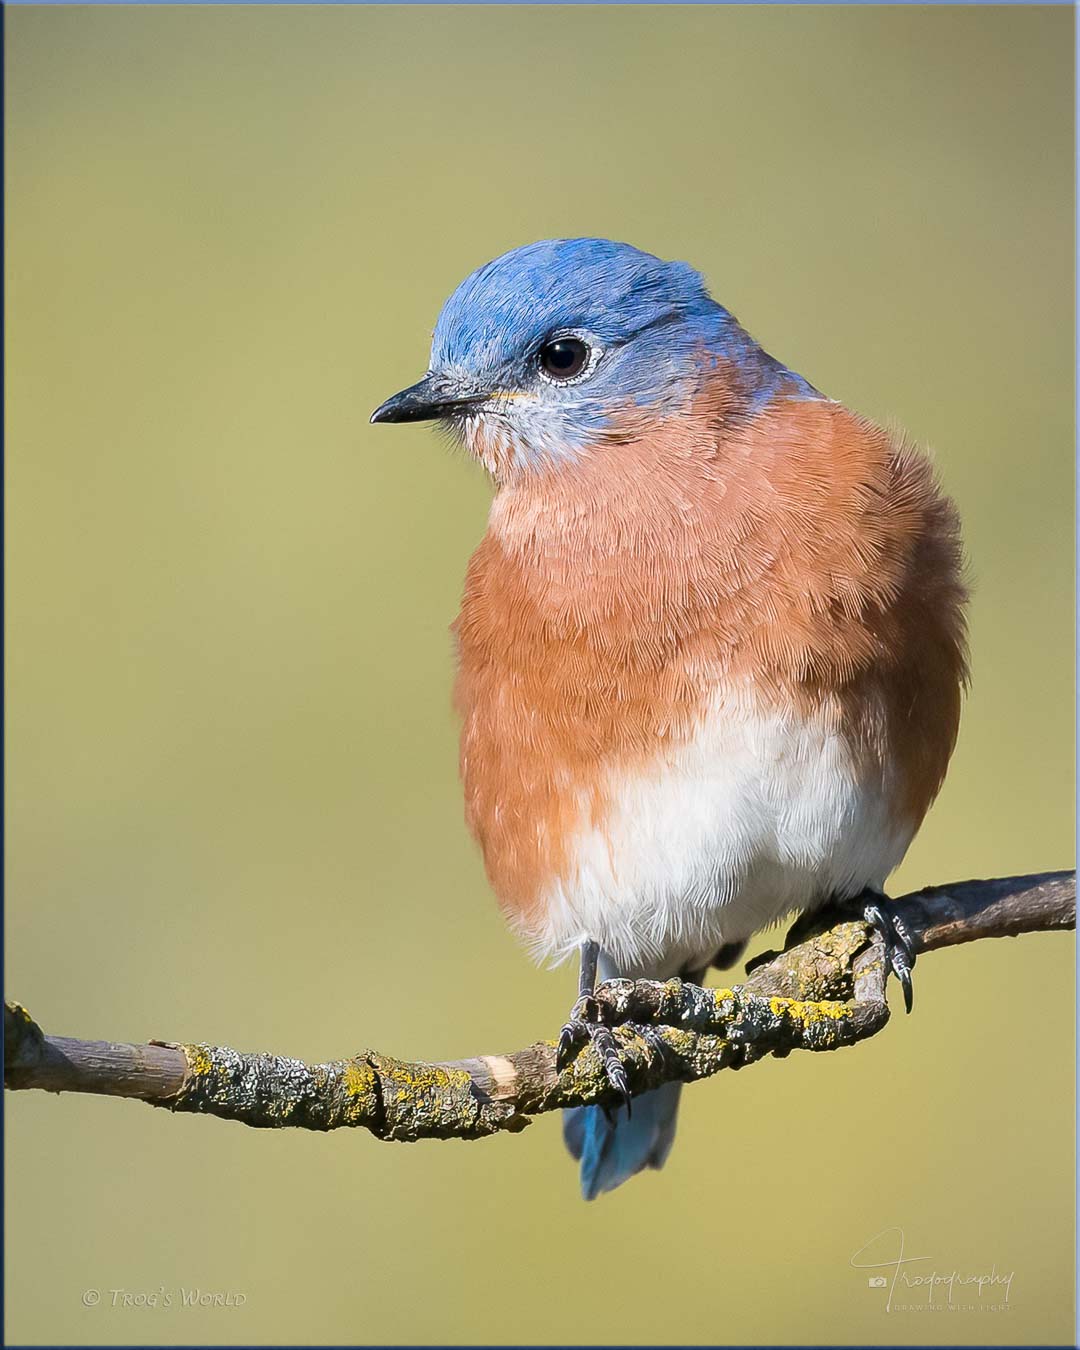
x: 824, y: 991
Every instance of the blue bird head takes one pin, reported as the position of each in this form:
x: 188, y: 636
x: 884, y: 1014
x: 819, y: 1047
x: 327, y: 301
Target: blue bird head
x: 548, y: 348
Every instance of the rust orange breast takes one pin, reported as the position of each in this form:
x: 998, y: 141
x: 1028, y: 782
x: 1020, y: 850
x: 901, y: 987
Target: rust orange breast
x: 803, y: 553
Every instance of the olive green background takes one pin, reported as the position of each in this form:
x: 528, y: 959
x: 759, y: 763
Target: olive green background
x: 233, y: 811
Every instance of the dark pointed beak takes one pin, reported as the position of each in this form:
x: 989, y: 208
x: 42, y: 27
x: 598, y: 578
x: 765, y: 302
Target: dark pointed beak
x: 422, y: 402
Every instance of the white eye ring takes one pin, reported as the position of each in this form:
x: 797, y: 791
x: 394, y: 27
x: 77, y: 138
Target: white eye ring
x: 591, y: 357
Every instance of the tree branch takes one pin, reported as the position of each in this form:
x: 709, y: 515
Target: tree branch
x: 824, y: 991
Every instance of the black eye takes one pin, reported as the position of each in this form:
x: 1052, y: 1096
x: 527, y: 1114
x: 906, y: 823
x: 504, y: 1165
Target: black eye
x: 564, y: 358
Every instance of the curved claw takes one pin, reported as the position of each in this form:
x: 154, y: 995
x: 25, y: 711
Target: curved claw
x: 899, y: 947
x: 652, y: 1038
x: 571, y: 1036
x: 584, y: 1014
x: 902, y: 971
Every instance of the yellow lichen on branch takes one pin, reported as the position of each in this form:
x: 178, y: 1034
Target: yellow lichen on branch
x: 824, y: 991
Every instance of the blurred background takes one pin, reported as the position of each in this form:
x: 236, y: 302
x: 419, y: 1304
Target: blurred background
x: 233, y: 808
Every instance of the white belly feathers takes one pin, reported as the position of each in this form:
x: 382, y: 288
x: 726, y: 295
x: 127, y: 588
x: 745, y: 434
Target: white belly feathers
x: 758, y: 814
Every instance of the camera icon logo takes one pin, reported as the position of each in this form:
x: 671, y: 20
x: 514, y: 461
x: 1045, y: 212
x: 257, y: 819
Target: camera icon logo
x: 877, y: 1281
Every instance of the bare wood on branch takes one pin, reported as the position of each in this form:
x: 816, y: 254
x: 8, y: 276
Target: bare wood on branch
x: 824, y: 991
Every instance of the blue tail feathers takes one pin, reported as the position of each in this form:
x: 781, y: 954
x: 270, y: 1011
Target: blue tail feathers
x: 612, y: 1151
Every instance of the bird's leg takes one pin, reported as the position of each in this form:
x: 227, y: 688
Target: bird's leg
x: 585, y: 1024
x: 897, y: 941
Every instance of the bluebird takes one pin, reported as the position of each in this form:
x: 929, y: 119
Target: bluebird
x: 711, y: 648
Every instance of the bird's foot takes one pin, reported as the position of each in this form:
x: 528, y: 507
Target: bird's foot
x: 586, y: 1025
x: 897, y: 941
